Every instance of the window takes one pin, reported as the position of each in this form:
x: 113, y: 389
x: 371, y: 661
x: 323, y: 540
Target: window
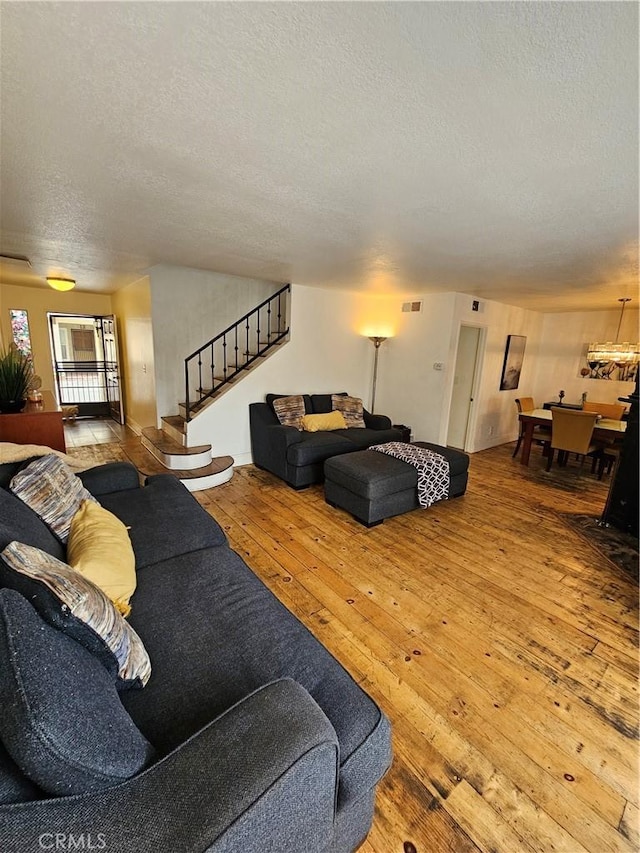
x: 20, y: 330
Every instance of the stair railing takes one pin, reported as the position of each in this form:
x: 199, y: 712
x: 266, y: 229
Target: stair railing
x: 224, y: 357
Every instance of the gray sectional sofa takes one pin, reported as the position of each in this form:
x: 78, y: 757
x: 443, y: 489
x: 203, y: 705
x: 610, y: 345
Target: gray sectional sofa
x: 298, y: 457
x: 263, y: 741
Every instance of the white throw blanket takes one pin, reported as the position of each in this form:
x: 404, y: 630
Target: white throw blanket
x: 17, y: 452
x: 433, y: 469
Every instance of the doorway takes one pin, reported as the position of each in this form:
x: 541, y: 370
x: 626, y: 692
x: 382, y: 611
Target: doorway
x: 466, y: 373
x: 86, y: 364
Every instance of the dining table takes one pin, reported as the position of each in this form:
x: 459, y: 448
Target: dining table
x: 605, y: 428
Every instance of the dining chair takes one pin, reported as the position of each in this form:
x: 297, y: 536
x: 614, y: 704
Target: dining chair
x: 610, y: 455
x: 571, y: 432
x: 542, y: 433
x: 614, y: 411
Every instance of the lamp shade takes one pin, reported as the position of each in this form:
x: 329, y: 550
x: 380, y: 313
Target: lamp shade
x: 58, y: 283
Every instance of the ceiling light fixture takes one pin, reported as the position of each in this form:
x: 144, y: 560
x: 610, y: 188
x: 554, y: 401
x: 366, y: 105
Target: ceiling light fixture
x: 621, y: 353
x: 58, y: 283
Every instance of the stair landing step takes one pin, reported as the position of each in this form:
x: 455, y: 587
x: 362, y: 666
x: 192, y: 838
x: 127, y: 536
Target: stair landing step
x: 218, y: 471
x: 172, y: 453
x: 176, y: 427
x: 166, y: 444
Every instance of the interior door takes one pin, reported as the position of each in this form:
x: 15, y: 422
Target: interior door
x: 109, y: 334
x: 463, y: 382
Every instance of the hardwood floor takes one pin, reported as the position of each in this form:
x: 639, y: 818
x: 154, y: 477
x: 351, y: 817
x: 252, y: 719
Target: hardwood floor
x: 502, y: 645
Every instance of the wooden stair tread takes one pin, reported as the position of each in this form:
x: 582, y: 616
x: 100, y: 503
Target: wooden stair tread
x: 166, y: 444
x: 196, y: 405
x: 147, y: 464
x: 176, y: 421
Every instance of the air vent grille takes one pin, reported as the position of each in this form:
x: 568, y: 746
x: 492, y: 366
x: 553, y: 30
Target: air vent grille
x: 16, y: 260
x: 411, y: 306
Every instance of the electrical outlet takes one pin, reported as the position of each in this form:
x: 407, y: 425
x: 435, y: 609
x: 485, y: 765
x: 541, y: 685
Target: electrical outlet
x: 490, y: 430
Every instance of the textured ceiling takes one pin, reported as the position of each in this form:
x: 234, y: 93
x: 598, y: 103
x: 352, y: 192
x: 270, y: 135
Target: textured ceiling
x: 489, y: 148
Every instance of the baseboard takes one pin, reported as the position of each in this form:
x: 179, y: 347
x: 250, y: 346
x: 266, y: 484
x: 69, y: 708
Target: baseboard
x: 492, y: 441
x: 240, y: 459
x: 134, y: 426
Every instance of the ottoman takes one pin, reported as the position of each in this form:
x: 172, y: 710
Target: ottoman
x: 373, y: 486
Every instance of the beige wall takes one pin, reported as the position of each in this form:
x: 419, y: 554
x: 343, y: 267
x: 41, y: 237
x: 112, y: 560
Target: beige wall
x: 38, y: 302
x: 132, y: 307
x: 564, y: 341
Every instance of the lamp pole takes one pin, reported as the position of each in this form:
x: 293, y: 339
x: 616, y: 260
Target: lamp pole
x: 376, y: 340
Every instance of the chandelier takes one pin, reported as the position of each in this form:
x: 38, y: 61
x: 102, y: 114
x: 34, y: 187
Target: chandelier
x: 621, y: 354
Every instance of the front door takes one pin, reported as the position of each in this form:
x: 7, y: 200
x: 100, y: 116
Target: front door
x: 86, y: 364
x: 109, y: 334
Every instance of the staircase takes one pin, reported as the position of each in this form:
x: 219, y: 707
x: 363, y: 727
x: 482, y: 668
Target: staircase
x: 209, y: 372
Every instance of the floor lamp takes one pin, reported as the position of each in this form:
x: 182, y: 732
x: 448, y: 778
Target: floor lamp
x: 376, y: 340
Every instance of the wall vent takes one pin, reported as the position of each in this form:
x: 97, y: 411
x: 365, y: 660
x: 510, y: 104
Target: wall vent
x: 411, y: 306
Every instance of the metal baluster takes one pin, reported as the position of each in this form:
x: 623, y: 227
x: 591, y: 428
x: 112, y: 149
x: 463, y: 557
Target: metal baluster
x: 212, y: 369
x: 224, y: 355
x: 186, y: 389
x: 235, y: 329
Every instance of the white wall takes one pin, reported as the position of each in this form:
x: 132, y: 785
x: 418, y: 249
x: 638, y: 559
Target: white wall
x: 560, y: 359
x: 188, y: 308
x: 493, y: 417
x: 327, y: 353
x: 409, y: 390
x: 412, y: 391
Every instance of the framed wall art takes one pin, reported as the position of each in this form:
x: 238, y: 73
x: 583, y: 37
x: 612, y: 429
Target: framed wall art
x: 512, y: 365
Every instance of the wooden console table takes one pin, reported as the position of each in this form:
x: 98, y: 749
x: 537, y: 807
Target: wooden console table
x: 37, y: 423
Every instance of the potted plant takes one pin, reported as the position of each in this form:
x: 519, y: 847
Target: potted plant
x: 16, y: 371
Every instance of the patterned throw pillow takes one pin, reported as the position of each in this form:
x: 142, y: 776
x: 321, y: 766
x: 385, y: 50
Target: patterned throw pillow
x: 52, y: 491
x: 75, y: 605
x: 290, y: 410
x: 351, y: 408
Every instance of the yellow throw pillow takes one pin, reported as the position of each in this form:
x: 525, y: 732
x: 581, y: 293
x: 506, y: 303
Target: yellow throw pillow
x: 100, y: 549
x: 329, y: 421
